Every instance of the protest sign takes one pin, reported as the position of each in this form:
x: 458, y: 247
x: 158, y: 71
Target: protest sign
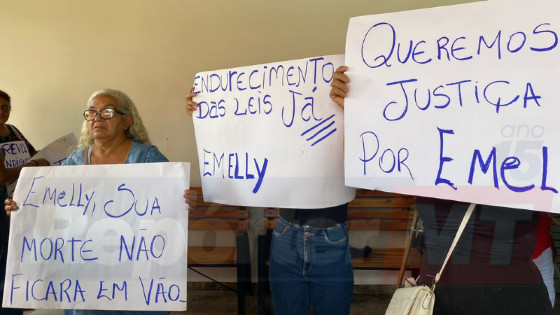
x: 15, y: 153
x: 57, y: 151
x: 110, y: 237
x: 456, y: 102
x: 269, y: 135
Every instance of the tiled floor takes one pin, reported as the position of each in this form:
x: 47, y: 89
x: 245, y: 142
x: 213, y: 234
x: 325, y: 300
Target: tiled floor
x: 225, y: 302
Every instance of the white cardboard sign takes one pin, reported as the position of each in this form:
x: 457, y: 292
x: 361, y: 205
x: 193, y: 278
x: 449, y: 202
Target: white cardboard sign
x: 457, y: 102
x: 15, y: 153
x: 110, y: 237
x: 57, y: 151
x: 269, y: 135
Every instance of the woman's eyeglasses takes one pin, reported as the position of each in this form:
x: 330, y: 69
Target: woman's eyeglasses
x: 106, y: 113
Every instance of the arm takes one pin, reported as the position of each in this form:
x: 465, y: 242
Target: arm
x: 190, y: 195
x: 8, y: 174
x: 153, y: 155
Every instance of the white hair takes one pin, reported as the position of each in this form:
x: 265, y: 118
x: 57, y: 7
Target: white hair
x: 136, y: 131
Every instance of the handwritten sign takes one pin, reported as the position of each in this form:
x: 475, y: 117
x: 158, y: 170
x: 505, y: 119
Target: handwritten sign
x: 107, y: 237
x: 57, y: 151
x: 457, y: 108
x: 269, y: 135
x: 15, y: 153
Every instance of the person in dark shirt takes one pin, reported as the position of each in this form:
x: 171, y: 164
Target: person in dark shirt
x: 490, y: 271
x: 9, y: 173
x: 310, y: 261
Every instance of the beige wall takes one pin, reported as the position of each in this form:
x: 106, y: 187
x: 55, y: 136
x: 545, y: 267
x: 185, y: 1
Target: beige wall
x: 55, y: 53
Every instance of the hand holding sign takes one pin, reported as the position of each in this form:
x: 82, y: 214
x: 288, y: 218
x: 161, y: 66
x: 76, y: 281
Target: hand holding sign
x: 112, y: 238
x: 433, y: 105
x: 269, y: 135
x: 57, y: 151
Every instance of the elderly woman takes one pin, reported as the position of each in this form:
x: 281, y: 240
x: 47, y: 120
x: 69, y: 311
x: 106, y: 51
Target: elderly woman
x: 113, y: 133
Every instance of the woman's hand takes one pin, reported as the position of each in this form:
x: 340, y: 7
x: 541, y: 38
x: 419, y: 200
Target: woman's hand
x: 339, y: 89
x: 191, y: 105
x: 37, y: 162
x: 9, y: 206
x: 190, y: 198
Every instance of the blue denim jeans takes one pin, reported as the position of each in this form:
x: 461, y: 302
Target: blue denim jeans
x: 310, y: 265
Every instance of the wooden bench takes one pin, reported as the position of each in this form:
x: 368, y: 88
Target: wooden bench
x: 370, y: 210
x: 218, y: 217
x: 377, y: 210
